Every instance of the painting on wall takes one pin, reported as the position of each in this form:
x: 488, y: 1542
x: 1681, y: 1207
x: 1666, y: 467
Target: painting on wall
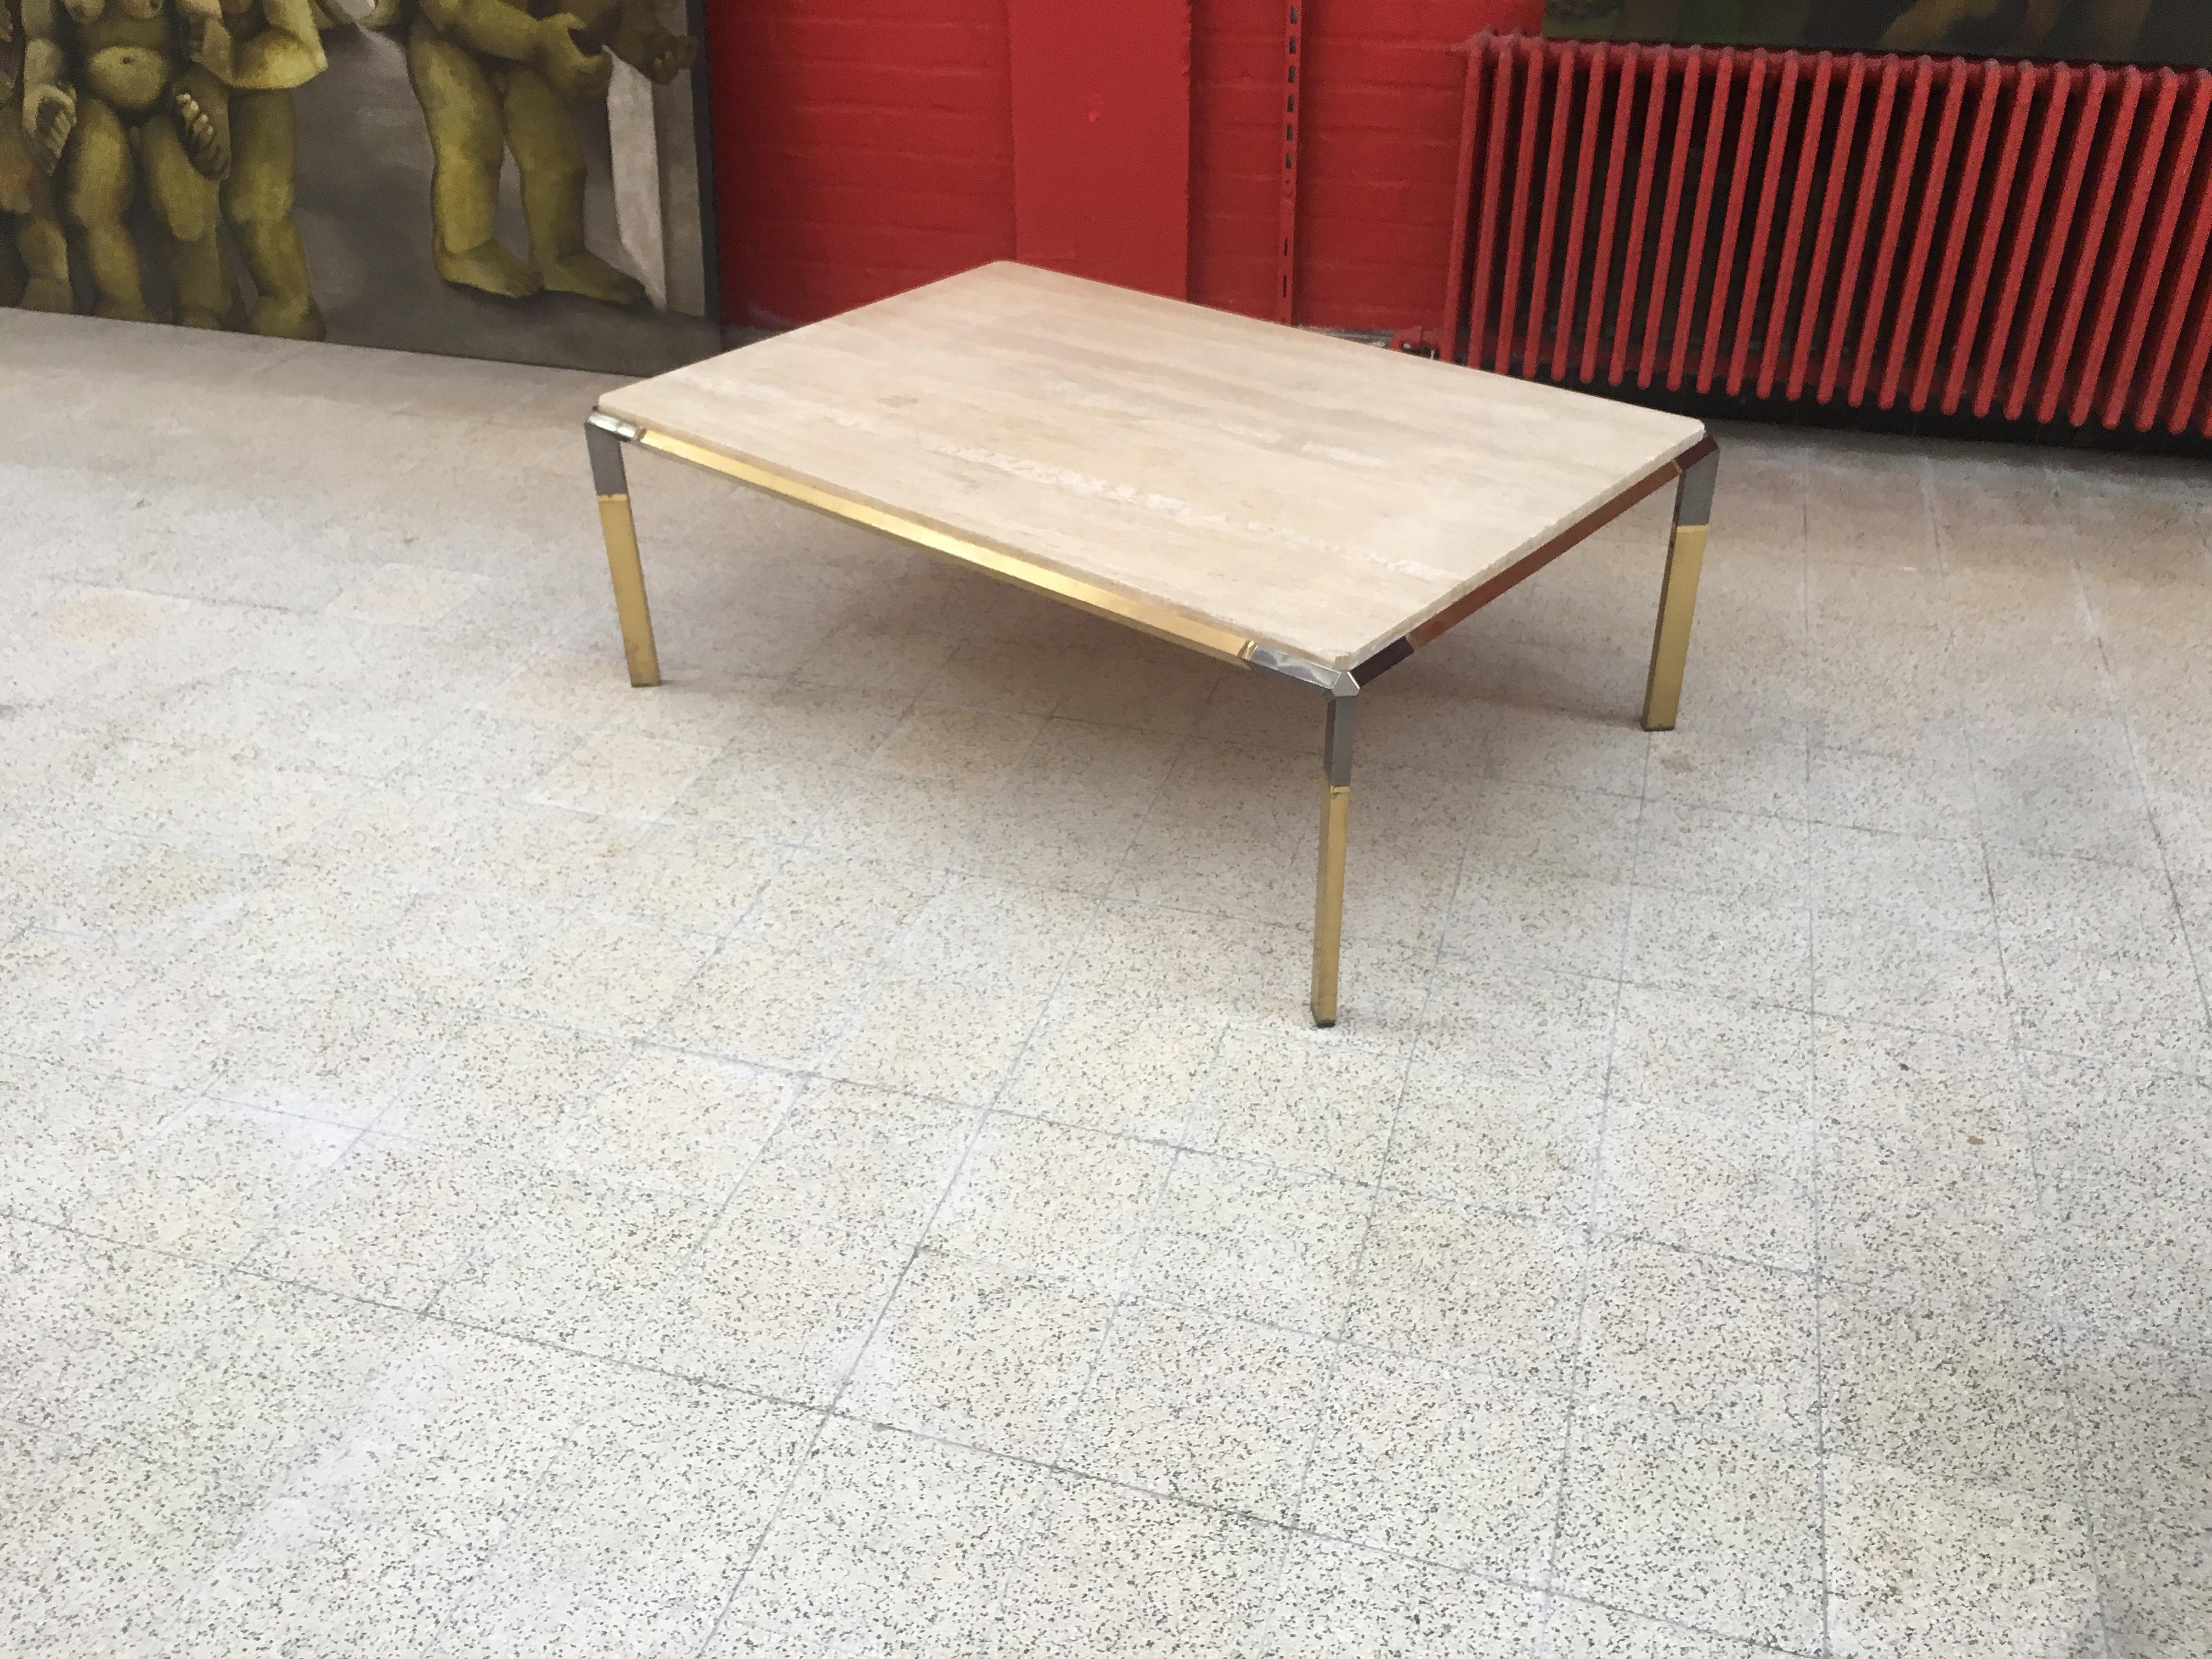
x: 523, y: 179
x: 2113, y: 31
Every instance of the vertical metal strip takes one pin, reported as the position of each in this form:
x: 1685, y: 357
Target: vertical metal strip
x: 1455, y: 312
x: 1563, y: 106
x: 1941, y: 187
x: 1781, y: 320
x: 1286, y: 212
x: 1762, y: 228
x: 1938, y: 334
x: 2174, y: 174
x: 1693, y: 266
x: 1497, y: 191
x: 1663, y: 269
x: 1571, y: 272
x: 1901, y: 178
x: 2064, y: 364
x: 2000, y: 351
x: 1832, y: 209
x: 1624, y: 116
x: 1531, y: 77
x: 1871, y: 176
x: 2082, y: 130
x: 2124, y: 272
x: 2194, y: 246
x: 1724, y: 264
x: 2192, y: 373
x: 1997, y: 215
x: 1655, y: 110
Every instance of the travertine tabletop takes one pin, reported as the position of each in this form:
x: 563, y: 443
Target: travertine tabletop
x: 1309, y: 494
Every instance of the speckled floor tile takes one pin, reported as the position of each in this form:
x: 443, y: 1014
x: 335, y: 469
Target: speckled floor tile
x: 696, y: 877
x: 210, y: 1179
x: 574, y: 1261
x: 1720, y: 1344
x: 1923, y: 796
x: 1737, y: 856
x: 1957, y: 1390
x: 1109, y: 1570
x: 1126, y: 1068
x: 499, y: 1082
x: 1720, y: 771
x: 1902, y: 966
x: 1421, y: 1460
x: 1581, y: 1629
x: 1069, y: 1204
x: 1723, y: 1186
x: 1536, y: 918
x: 2096, y: 961
x: 1298, y: 1100
x: 1336, y: 1598
x: 925, y: 1034
x: 782, y: 1296
x: 374, y: 1535
x: 1468, y: 1137
x: 1740, y: 949
x: 1919, y: 1565
x: 1705, y: 1053
x: 643, y: 1523
x: 2130, y: 1163
x: 102, y: 1540
x: 2145, y: 1419
x: 64, y: 1130
x: 889, y: 1544
x: 1197, y: 1407
x: 765, y: 1004
x: 983, y: 1355
x: 1903, y: 1085
x: 607, y: 974
x: 394, y: 1222
x: 368, y: 944
x: 1468, y: 1287
x: 1268, y: 1245
x: 1547, y: 1030
x: 1720, y: 1533
x: 1944, y: 1210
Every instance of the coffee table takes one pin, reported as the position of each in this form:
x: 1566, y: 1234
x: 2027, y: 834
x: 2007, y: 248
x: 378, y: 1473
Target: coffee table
x: 1305, y: 507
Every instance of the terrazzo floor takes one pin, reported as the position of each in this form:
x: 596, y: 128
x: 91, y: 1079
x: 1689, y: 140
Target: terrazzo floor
x: 827, y: 1158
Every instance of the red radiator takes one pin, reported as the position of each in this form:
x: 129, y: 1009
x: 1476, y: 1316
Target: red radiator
x: 2016, y: 240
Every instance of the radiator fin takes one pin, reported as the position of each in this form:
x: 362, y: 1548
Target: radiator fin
x: 1929, y: 234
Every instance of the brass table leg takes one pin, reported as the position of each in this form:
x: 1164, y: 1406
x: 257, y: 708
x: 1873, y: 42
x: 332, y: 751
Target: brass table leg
x: 1328, y: 886
x: 620, y: 530
x: 1678, y: 594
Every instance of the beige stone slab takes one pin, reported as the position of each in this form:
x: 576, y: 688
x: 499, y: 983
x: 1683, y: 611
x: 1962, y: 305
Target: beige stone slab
x: 1312, y: 495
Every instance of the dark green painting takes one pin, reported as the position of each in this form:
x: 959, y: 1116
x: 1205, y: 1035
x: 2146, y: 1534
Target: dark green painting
x: 2114, y: 31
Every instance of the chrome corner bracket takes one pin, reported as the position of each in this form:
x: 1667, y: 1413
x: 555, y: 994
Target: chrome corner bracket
x: 603, y: 436
x: 1337, y: 681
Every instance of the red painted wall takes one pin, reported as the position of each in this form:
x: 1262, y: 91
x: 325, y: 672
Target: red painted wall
x: 1102, y: 139
x: 865, y: 146
x: 862, y: 147
x: 1379, y: 141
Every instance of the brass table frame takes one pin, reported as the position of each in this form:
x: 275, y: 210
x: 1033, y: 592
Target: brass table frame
x: 1693, y: 473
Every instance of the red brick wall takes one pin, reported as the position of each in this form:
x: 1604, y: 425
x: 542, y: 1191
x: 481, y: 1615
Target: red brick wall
x: 864, y: 146
x: 1378, y: 142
